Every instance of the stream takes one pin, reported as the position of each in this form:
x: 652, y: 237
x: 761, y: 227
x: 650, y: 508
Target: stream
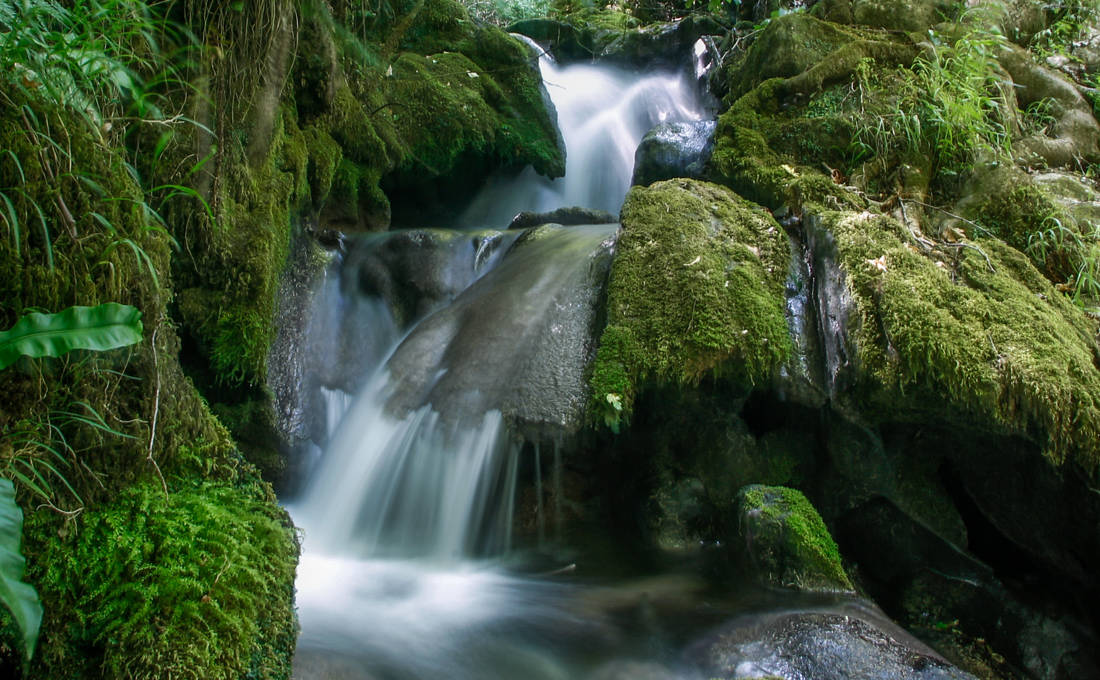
x: 408, y: 513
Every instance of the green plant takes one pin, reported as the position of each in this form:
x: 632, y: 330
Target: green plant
x: 197, y: 584
x: 100, y: 328
x: 48, y: 335
x: 1067, y: 21
x: 948, y: 107
x: 20, y: 598
x: 1075, y: 247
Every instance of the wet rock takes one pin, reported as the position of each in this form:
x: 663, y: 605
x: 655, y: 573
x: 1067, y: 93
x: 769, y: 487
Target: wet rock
x: 289, y: 367
x: 416, y: 271
x: 786, y: 543
x: 844, y: 643
x: 518, y: 339
x: 633, y: 670
x: 564, y: 216
x: 674, y: 150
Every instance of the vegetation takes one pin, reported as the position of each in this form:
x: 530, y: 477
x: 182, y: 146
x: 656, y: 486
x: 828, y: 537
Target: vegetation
x: 948, y: 108
x: 20, y: 598
x: 977, y: 324
x: 100, y: 328
x: 194, y: 584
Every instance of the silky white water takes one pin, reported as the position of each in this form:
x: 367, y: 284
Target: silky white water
x: 409, y: 511
x: 603, y: 113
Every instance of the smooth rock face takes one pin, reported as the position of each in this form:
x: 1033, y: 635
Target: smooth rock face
x: 518, y: 339
x: 565, y: 216
x: 674, y: 150
x: 846, y: 644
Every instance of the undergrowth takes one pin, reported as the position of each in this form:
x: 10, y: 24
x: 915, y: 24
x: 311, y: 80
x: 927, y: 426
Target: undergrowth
x: 189, y: 585
x: 947, y: 107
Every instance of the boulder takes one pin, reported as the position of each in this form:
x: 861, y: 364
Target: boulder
x: 673, y: 150
x: 848, y: 642
x: 785, y: 542
x: 564, y: 216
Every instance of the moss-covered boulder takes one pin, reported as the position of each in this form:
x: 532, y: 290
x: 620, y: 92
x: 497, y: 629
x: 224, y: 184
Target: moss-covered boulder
x: 194, y: 583
x: 786, y: 541
x: 975, y: 324
x: 696, y: 289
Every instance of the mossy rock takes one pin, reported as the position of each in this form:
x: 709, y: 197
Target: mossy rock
x: 198, y: 583
x: 974, y: 326
x: 787, y: 542
x: 696, y: 289
x: 810, y: 53
x: 901, y: 15
x: 760, y: 153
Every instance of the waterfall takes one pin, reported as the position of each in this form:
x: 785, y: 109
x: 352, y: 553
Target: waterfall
x: 603, y: 112
x: 489, y: 336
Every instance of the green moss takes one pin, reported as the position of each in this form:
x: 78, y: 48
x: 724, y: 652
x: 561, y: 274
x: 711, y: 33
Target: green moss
x: 1026, y: 218
x: 198, y: 584
x: 696, y: 289
x: 788, y: 542
x: 325, y: 155
x: 981, y: 328
x: 230, y: 305
x: 749, y: 154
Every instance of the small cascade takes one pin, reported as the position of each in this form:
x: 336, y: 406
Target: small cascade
x: 410, y: 508
x: 603, y: 112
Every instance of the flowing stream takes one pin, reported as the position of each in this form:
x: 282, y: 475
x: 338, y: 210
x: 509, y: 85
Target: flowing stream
x: 407, y: 569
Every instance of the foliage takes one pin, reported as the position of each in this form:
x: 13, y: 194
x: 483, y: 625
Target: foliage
x: 504, y: 12
x: 195, y: 584
x: 101, y: 59
x: 20, y: 598
x: 1067, y: 22
x: 947, y: 107
x: 104, y: 327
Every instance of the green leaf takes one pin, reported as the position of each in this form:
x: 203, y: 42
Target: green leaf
x: 20, y: 598
x: 104, y: 327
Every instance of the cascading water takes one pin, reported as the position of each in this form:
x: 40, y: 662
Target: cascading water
x: 603, y: 112
x: 415, y: 491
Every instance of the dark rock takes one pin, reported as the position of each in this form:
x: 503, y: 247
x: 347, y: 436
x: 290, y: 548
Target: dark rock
x: 674, y: 150
x: 852, y: 641
x: 657, y: 44
x: 518, y: 339
x: 416, y: 271
x: 564, y: 216
x: 785, y: 542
